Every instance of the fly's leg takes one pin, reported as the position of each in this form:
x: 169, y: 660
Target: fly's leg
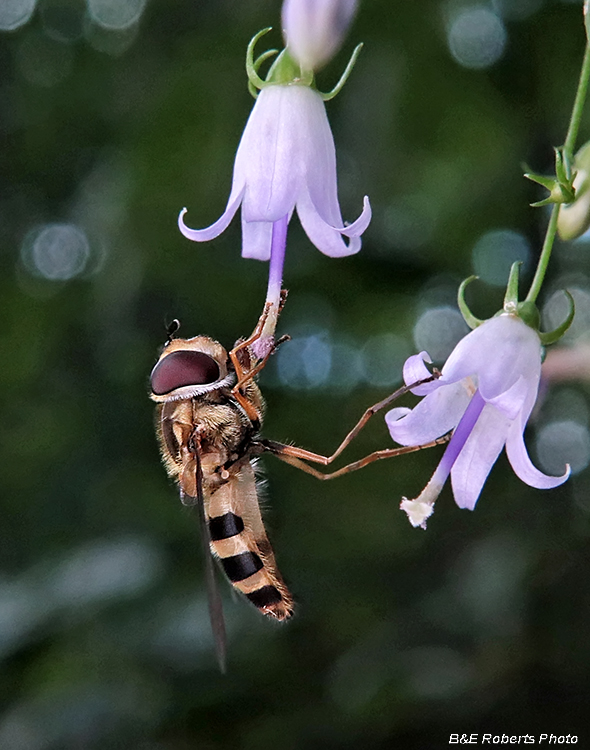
x: 245, y: 375
x: 306, y: 455
x: 297, y: 456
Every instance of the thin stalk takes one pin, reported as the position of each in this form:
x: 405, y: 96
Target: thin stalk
x: 537, y: 282
x: 578, y: 108
x: 568, y: 151
x: 275, y: 283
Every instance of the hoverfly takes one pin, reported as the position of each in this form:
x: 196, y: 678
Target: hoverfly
x: 208, y: 419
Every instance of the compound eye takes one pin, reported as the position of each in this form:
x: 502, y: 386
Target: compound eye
x: 183, y: 368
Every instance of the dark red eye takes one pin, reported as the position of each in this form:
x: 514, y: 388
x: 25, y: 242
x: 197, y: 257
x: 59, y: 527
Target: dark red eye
x: 182, y: 368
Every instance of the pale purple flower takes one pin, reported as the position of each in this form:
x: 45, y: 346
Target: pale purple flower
x: 314, y: 29
x: 286, y: 159
x: 486, y: 392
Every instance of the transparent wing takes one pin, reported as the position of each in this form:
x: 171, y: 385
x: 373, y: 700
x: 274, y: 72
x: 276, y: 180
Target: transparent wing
x: 213, y: 596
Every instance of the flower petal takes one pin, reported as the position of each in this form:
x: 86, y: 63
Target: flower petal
x: 209, y: 233
x: 435, y: 415
x: 522, y: 465
x: 511, y: 402
x: 324, y: 236
x: 357, y: 228
x: 478, y: 455
x: 394, y: 415
x: 415, y: 370
x: 256, y: 239
x: 272, y: 155
x: 317, y: 203
x: 498, y: 352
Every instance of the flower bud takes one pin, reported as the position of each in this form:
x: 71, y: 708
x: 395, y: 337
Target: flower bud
x: 314, y: 29
x: 574, y: 218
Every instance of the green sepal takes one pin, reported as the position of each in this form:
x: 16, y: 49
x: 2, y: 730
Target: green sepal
x: 255, y: 81
x: 563, y: 167
x: 257, y: 63
x: 528, y: 312
x: 559, y: 193
x: 546, y: 182
x: 560, y: 187
x: 344, y: 77
x: 511, y: 296
x: 550, y: 337
x: 468, y: 316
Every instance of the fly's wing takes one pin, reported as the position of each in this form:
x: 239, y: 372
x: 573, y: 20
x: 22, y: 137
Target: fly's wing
x: 193, y: 466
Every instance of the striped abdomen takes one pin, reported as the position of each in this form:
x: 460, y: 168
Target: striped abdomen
x: 239, y: 540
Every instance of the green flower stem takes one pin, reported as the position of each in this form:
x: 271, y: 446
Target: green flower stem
x: 568, y: 151
x: 545, y: 255
x: 576, y: 118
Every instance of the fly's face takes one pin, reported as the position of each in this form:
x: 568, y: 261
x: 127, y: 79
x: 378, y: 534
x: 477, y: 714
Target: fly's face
x: 188, y: 368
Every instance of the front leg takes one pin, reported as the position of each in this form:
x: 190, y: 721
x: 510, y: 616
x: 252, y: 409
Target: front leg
x: 297, y: 456
x: 246, y: 373
x: 306, y: 455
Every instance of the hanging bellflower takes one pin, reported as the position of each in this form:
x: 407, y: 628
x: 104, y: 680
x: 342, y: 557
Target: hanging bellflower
x: 286, y: 160
x: 484, y: 395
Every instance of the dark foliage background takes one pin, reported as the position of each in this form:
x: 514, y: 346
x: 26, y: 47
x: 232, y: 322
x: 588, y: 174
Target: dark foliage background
x: 402, y: 637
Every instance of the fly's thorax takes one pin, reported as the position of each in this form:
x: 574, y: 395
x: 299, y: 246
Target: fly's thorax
x: 222, y: 424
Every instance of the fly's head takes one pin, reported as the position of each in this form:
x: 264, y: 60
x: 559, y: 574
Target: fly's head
x: 190, y: 367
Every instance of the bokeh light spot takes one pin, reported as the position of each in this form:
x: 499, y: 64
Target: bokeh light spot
x: 438, y: 330
x: 116, y: 14
x: 383, y: 358
x: 476, y: 37
x: 43, y: 61
x: 15, y: 13
x: 104, y: 570
x: 346, y: 369
x: 305, y: 362
x: 438, y: 672
x: 496, y: 251
x: 409, y: 223
x: 57, y: 252
x: 561, y: 443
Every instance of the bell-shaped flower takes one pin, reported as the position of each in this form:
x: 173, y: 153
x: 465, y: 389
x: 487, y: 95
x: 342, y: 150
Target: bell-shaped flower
x: 314, y: 29
x: 485, y: 394
x: 286, y: 159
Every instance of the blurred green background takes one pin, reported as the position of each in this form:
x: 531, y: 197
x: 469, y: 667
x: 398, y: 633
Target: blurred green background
x: 113, y: 116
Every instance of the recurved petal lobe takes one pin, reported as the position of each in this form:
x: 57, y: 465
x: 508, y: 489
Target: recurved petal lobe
x: 434, y: 416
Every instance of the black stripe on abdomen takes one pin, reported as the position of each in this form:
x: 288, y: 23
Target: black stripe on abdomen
x: 265, y: 596
x: 225, y: 526
x: 239, y: 567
